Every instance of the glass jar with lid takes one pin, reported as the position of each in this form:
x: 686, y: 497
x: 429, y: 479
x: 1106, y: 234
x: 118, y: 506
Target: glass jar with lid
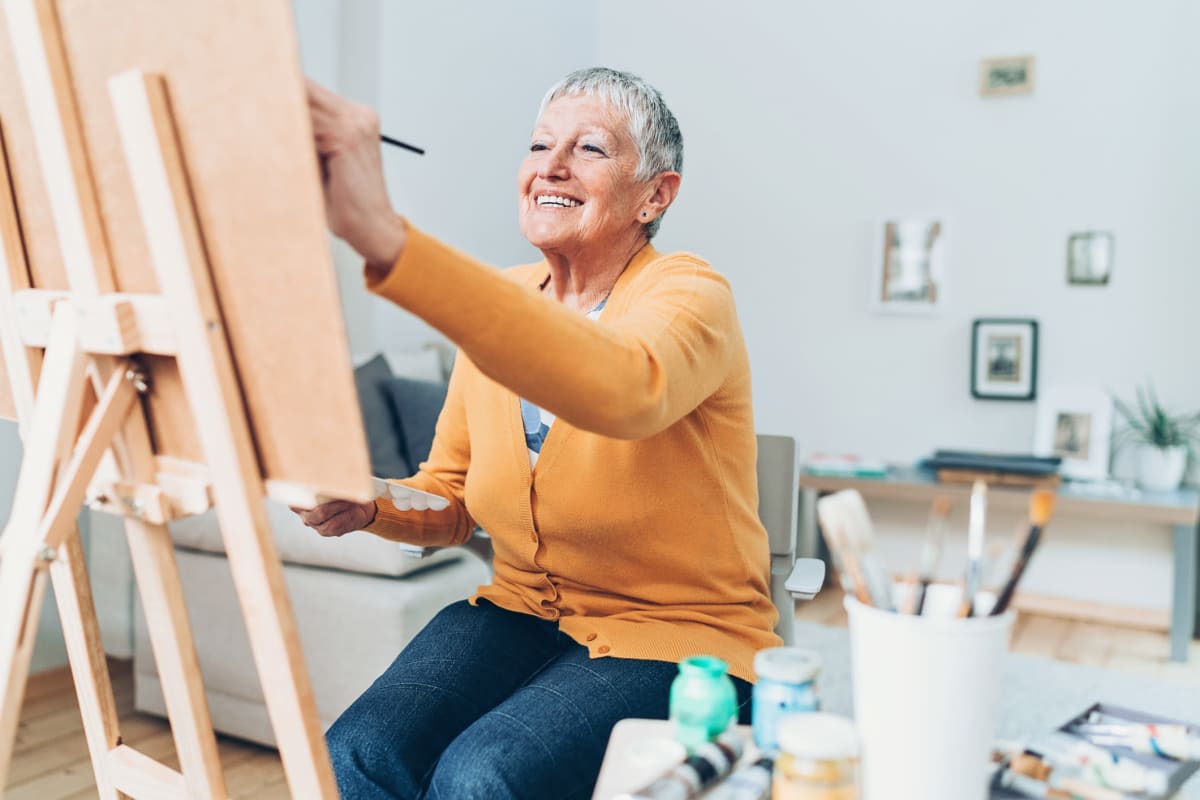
x: 785, y: 685
x: 703, y: 700
x: 818, y: 758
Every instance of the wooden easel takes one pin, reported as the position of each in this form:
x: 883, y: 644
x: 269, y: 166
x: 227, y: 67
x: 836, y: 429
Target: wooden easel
x: 82, y: 410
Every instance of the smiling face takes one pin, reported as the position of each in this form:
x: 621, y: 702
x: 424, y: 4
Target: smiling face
x: 577, y: 187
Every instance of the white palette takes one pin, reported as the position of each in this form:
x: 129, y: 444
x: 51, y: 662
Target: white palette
x: 405, y: 498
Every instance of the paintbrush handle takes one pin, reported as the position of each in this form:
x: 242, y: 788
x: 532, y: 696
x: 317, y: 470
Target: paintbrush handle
x: 878, y: 583
x: 1010, y: 586
x: 970, y: 589
x: 919, y: 605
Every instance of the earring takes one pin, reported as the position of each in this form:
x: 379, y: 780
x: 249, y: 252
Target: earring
x: 644, y: 215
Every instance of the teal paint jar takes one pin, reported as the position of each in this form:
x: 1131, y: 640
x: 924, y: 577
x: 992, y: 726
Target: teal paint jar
x: 703, y: 700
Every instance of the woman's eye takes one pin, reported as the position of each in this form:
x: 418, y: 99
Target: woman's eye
x: 536, y: 147
x: 591, y: 148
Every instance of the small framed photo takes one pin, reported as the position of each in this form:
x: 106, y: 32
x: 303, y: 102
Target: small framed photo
x: 1076, y: 425
x: 1004, y: 359
x: 1004, y: 77
x: 908, y: 277
x: 1089, y: 258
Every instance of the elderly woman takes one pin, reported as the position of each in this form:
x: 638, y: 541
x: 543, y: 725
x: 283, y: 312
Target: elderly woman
x: 598, y: 426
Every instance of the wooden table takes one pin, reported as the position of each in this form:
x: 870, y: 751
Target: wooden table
x: 1179, y: 509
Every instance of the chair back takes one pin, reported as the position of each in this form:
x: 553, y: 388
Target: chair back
x: 777, y: 499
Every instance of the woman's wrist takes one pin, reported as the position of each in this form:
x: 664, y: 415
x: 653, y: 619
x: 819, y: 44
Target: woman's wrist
x: 385, y: 248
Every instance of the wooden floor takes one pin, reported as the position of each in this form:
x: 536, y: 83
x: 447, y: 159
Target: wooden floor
x: 51, y: 761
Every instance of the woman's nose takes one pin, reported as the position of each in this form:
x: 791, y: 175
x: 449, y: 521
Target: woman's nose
x: 556, y: 164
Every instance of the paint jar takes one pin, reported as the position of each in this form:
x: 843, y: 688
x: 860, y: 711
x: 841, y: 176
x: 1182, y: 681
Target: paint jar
x: 818, y: 758
x: 703, y: 700
x: 786, y: 678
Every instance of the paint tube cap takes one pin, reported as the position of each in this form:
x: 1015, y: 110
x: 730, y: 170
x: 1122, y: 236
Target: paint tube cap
x: 818, y: 735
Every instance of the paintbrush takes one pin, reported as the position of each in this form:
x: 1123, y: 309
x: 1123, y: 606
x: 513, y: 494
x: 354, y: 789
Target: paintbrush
x: 975, y: 534
x: 1041, y: 506
x: 845, y: 515
x: 931, y: 552
x: 848, y: 559
x: 398, y: 143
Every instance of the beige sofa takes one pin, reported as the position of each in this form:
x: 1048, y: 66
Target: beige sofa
x: 358, y: 600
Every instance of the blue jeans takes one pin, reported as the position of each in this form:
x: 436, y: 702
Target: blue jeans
x: 491, y: 704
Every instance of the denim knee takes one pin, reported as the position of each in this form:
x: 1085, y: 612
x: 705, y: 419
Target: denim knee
x: 364, y: 769
x: 475, y: 772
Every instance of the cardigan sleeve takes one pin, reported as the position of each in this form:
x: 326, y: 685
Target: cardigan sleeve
x: 444, y: 473
x: 629, y: 379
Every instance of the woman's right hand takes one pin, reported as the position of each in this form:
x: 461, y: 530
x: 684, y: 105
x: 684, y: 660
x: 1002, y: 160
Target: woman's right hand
x: 337, y: 517
x: 356, y: 199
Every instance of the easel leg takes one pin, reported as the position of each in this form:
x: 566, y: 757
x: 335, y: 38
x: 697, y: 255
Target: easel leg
x: 73, y: 594
x: 22, y: 589
x: 161, y: 184
x: 157, y: 573
x: 23, y: 569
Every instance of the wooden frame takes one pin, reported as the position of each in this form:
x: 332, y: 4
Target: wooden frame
x: 908, y: 270
x: 90, y: 370
x: 1007, y: 76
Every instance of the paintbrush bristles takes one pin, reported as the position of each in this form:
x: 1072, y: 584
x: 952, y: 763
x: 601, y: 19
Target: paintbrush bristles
x: 1041, y: 506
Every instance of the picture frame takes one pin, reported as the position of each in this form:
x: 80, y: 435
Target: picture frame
x: 1004, y: 356
x: 1006, y: 76
x: 1089, y: 258
x: 908, y: 273
x: 1075, y: 423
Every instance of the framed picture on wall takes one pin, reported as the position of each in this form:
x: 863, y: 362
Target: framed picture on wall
x: 1007, y: 76
x: 908, y: 276
x: 1004, y: 359
x: 1076, y: 425
x: 1089, y: 258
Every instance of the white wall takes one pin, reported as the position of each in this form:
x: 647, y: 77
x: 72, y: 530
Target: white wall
x: 463, y: 80
x: 339, y: 49
x: 805, y: 123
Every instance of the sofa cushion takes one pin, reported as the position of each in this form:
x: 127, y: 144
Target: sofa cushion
x: 351, y: 627
x: 358, y: 551
x: 416, y: 405
x: 383, y: 437
x: 422, y: 365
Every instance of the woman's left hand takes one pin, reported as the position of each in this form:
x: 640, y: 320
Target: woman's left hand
x: 337, y: 517
x: 356, y: 198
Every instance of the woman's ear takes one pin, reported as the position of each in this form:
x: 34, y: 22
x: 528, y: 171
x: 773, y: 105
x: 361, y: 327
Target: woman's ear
x: 665, y: 188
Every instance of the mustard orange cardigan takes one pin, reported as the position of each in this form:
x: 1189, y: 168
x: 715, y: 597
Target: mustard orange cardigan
x: 638, y: 530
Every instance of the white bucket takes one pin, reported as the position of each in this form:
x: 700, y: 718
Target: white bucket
x: 925, y: 692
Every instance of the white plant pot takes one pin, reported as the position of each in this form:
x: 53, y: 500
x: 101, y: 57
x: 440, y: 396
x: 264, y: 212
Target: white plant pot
x: 1160, y: 469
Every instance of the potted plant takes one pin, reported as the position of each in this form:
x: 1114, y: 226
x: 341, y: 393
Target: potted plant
x: 1163, y: 440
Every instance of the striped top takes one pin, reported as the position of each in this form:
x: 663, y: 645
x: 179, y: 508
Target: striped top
x: 537, y: 420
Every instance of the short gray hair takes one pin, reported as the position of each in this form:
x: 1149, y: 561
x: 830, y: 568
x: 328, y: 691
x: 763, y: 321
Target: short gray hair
x: 651, y: 123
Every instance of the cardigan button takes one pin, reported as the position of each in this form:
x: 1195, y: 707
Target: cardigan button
x: 604, y: 649
x: 591, y: 637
